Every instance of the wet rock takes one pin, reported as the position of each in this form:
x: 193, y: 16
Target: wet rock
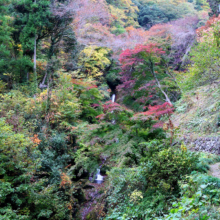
x: 88, y: 186
x: 79, y: 194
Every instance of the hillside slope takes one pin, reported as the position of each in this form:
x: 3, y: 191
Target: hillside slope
x: 197, y: 112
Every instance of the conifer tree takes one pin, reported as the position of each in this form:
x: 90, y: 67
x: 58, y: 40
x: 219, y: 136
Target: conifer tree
x: 32, y: 24
x: 5, y: 38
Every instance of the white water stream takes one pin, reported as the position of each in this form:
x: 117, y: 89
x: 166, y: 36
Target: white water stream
x: 113, y: 98
x: 113, y: 101
x: 99, y: 177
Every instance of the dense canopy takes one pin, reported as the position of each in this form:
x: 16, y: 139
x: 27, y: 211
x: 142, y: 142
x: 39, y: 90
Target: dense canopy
x: 103, y: 105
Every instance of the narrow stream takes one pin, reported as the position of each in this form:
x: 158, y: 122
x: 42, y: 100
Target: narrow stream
x: 113, y: 98
x: 113, y: 101
x: 99, y: 177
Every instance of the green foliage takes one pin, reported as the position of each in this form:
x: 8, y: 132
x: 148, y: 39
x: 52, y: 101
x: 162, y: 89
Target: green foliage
x: 205, y: 60
x: 112, y: 77
x: 146, y: 191
x: 13, y: 63
x: 55, y: 135
x: 124, y: 14
x: 118, y: 139
x: 167, y: 166
x: 199, y: 198
x: 14, y: 151
x: 17, y: 153
x: 34, y: 166
x: 163, y: 11
x: 118, y: 29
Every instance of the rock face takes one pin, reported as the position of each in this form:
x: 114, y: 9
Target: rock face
x: 208, y: 144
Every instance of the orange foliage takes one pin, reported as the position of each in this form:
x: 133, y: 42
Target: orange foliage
x: 69, y: 206
x: 208, y: 28
x: 83, y: 83
x: 65, y: 180
x: 209, y: 23
x: 159, y: 30
x: 114, y: 17
x: 41, y: 65
x: 35, y: 139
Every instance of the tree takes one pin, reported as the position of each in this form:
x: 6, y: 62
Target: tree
x: 43, y: 20
x: 123, y: 12
x: 214, y: 5
x: 140, y: 66
x: 94, y: 61
x: 31, y: 23
x: 205, y: 56
x: 151, y: 15
x: 163, y: 11
x: 5, y: 39
x: 183, y: 32
x: 13, y: 63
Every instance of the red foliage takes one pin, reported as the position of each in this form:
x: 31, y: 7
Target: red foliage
x: 130, y: 57
x: 160, y: 110
x: 130, y: 60
x: 208, y: 24
x: 91, y: 87
x: 155, y: 112
x: 110, y: 107
x: 95, y: 105
x: 100, y: 117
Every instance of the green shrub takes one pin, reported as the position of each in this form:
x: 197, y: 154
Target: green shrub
x: 199, y: 198
x: 147, y: 191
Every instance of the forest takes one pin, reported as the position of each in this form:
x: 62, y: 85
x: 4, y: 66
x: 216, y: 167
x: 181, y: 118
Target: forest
x: 109, y: 109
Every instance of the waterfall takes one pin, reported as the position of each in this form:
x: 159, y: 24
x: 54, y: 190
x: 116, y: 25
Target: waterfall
x: 113, y: 98
x: 113, y: 101
x: 99, y: 177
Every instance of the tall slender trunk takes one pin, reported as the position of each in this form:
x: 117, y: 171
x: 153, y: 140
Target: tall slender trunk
x: 35, y: 62
x: 187, y: 52
x: 42, y: 85
x: 48, y: 96
x: 158, y: 83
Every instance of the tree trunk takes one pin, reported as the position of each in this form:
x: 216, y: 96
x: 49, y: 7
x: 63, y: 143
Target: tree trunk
x: 42, y: 85
x: 159, y: 85
x: 48, y: 95
x: 187, y: 52
x: 173, y: 77
x: 35, y: 61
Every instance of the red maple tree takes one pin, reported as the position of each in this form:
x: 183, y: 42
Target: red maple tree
x: 141, y: 68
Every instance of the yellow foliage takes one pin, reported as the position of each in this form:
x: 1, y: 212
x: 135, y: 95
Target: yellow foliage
x: 94, y: 60
x: 136, y: 196
x: 175, y: 2
x: 125, y: 16
x: 183, y: 147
